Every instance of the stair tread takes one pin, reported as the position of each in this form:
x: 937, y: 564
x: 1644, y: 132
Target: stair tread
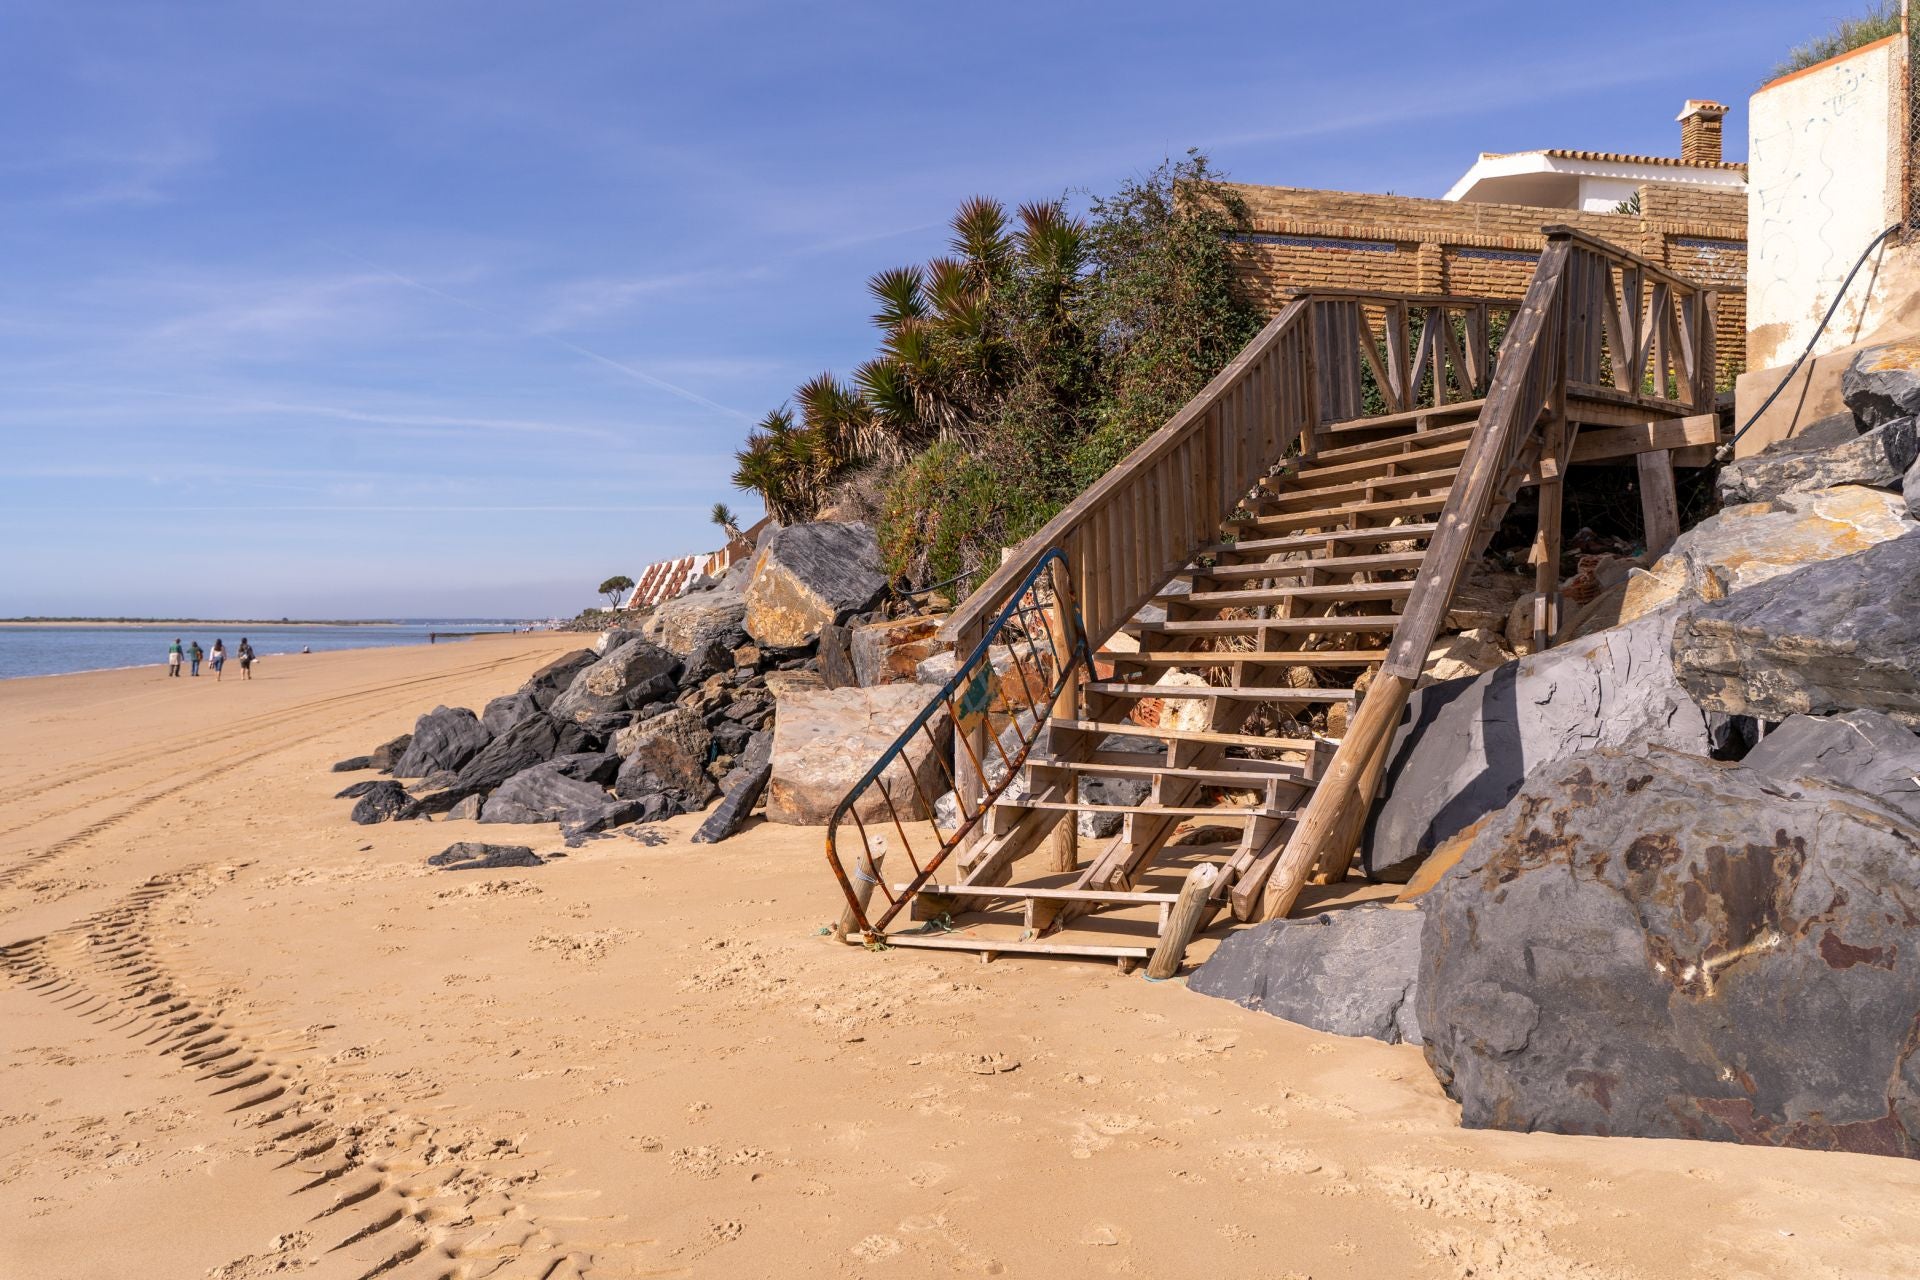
x: 1337, y: 591
x: 1205, y: 777
x: 1257, y: 693
x: 1279, y: 491
x: 1332, y: 515
x: 1381, y: 561
x: 1392, y: 446
x: 1303, y: 541
x: 1378, y: 622
x: 1318, y: 474
x: 1128, y: 729
x: 948, y: 942
x: 1041, y: 892
x: 1223, y: 813
x: 1459, y: 408
x: 1291, y: 657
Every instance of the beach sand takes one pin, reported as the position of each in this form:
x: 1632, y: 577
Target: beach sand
x: 242, y: 1037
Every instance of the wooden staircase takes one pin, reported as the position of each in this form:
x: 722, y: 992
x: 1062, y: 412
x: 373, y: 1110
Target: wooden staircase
x: 1303, y: 569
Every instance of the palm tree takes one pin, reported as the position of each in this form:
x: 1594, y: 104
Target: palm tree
x: 723, y: 516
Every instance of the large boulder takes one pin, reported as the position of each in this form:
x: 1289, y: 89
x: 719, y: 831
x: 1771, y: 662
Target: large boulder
x: 1835, y: 636
x: 891, y: 652
x: 1746, y: 545
x: 631, y: 675
x: 1662, y: 946
x: 552, y: 680
x: 472, y: 855
x: 825, y: 740
x: 689, y: 626
x: 541, y: 794
x: 1883, y: 383
x: 806, y: 576
x: 1351, y: 972
x: 533, y: 741
x: 382, y: 801
x: 666, y: 757
x: 1465, y: 746
x: 509, y: 709
x: 1879, y: 459
x: 444, y: 738
x: 1860, y: 749
x: 1116, y: 789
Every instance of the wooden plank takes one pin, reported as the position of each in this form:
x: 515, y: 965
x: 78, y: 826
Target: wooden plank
x: 1213, y: 813
x: 1460, y: 409
x: 1328, y: 625
x: 1383, y: 561
x: 1419, y: 504
x: 995, y: 946
x: 1659, y: 507
x: 1188, y: 693
x: 1287, y: 657
x: 1208, y: 737
x: 1119, y: 896
x: 1596, y: 445
x: 1337, y: 591
x: 1346, y: 537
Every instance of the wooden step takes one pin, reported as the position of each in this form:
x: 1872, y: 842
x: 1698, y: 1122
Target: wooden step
x: 990, y: 947
x: 1312, y: 541
x: 1238, y: 778
x: 1383, y: 623
x: 1288, y: 657
x: 1418, y: 419
x: 1283, y: 496
x: 1420, y: 504
x: 1392, y: 446
x: 1223, y: 814
x: 1382, y: 562
x: 1237, y: 693
x: 1116, y: 897
x: 1206, y: 737
x: 1319, y: 474
x: 1342, y: 592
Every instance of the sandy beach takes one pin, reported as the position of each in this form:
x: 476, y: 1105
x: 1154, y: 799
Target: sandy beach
x: 241, y: 1037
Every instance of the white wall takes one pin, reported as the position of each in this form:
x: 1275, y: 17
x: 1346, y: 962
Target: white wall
x: 1603, y: 195
x: 1824, y: 155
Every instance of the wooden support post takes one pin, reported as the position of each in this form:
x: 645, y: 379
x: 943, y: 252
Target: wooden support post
x: 1063, y: 845
x: 1659, y: 507
x: 1546, y: 548
x: 866, y: 874
x: 1188, y: 911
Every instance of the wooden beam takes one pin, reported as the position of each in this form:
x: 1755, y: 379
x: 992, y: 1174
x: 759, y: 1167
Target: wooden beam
x: 1596, y: 444
x: 1659, y: 507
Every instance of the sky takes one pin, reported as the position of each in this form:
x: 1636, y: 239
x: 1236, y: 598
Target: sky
x: 417, y: 309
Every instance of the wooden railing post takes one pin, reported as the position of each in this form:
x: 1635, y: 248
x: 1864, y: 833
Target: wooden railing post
x: 1063, y: 636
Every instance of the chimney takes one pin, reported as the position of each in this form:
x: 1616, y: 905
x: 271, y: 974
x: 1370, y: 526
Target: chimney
x: 1700, y: 131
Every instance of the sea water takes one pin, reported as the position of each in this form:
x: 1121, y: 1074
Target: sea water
x: 45, y: 650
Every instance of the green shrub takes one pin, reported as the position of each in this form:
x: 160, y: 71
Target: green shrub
x: 1882, y: 19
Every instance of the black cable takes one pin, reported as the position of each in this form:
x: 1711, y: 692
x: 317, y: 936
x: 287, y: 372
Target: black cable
x: 1726, y: 450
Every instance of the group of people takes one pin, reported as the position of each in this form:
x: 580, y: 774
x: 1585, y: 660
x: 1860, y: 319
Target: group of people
x: 193, y: 655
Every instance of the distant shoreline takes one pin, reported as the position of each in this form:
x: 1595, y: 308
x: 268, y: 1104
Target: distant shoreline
x: 256, y: 623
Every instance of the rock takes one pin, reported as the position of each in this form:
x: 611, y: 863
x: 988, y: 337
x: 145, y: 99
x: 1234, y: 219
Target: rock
x: 891, y: 652
x: 1462, y: 656
x: 540, y: 794
x: 782, y: 683
x: 1353, y: 972
x: 467, y: 809
x: 508, y: 710
x: 388, y: 753
x: 1883, y: 383
x: 689, y: 626
x: 807, y: 576
x: 946, y: 810
x: 731, y: 813
x: 833, y: 657
x: 382, y: 801
x: 588, y: 766
x: 1879, y: 459
x: 1836, y: 636
x: 359, y: 789
x: 444, y: 738
x: 824, y: 740
x: 1662, y: 946
x: 1864, y: 750
x: 1191, y: 715
x: 1910, y: 488
x: 1464, y: 747
x: 666, y: 756
x: 1485, y: 597
x: 937, y: 668
x: 471, y: 855
x: 630, y: 675
x: 552, y: 680
x: 1519, y: 628
x: 1748, y: 544
x: 1096, y: 789
x: 352, y: 764
x: 533, y: 741
x: 577, y: 824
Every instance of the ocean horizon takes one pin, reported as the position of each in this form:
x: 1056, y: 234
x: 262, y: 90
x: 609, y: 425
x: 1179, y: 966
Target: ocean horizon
x: 53, y: 648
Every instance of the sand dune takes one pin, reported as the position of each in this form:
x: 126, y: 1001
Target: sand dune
x: 240, y: 1037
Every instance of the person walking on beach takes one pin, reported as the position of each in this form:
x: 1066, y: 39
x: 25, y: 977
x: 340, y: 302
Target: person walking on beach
x: 173, y: 658
x: 219, y: 658
x: 246, y: 659
x: 194, y: 655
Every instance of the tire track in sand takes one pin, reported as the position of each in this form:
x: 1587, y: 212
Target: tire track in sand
x: 383, y: 1193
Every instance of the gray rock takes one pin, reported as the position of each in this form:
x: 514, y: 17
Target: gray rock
x: 1353, y: 972
x: 1662, y: 946
x: 382, y: 801
x: 472, y: 855
x: 554, y: 679
x: 891, y: 652
x: 540, y: 794
x: 352, y: 764
x: 807, y: 576
x: 533, y: 741
x: 508, y: 710
x: 359, y: 789
x: 577, y: 824
x: 444, y: 738
x: 1877, y: 459
x: 743, y: 792
x: 833, y: 657
x: 630, y: 675
x: 1465, y: 746
x: 1864, y: 750
x: 588, y: 766
x: 666, y: 756
x: 689, y: 626
x: 1835, y: 636
x: 1883, y: 383
x: 1097, y: 789
x: 389, y: 752
x: 1910, y: 489
x: 466, y: 809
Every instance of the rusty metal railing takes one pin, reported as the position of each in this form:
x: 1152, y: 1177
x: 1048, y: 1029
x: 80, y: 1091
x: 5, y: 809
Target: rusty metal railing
x: 1039, y: 637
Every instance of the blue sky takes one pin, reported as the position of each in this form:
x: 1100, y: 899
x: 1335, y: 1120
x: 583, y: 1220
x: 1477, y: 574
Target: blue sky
x: 414, y: 309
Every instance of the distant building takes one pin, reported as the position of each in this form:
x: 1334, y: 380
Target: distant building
x: 1484, y: 238
x: 665, y: 579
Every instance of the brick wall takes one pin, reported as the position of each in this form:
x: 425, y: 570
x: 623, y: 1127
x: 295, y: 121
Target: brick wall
x: 1305, y: 239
